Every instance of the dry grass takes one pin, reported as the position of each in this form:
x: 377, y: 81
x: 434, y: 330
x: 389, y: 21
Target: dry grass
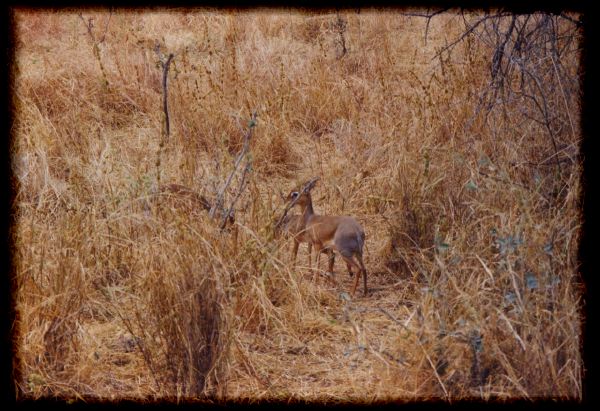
x: 471, y: 250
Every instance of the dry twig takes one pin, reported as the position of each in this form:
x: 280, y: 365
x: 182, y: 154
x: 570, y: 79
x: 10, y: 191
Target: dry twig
x: 218, y: 205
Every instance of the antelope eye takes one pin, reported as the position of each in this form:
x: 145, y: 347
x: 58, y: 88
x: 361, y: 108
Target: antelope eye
x: 294, y: 194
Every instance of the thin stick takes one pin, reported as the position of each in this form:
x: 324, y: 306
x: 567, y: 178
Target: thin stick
x: 166, y: 131
x: 466, y: 33
x: 165, y: 65
x: 564, y: 95
x: 242, y: 185
x: 428, y: 16
x: 106, y: 27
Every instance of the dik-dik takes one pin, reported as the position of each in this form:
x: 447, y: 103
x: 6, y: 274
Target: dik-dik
x: 341, y: 234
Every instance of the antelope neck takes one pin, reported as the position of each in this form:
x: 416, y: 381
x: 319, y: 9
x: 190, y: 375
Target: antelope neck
x: 308, y: 210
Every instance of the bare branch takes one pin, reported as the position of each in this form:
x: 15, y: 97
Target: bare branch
x: 88, y: 25
x: 166, y: 131
x: 499, y: 53
x: 578, y: 23
x: 165, y: 66
x: 428, y: 16
x: 106, y: 27
x: 218, y: 205
x: 424, y: 15
x: 228, y: 214
x: 467, y: 32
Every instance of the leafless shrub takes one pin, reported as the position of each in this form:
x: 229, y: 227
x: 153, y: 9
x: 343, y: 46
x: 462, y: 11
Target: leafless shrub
x: 528, y: 79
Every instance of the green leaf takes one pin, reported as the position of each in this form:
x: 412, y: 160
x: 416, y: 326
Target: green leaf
x: 483, y: 161
x: 551, y: 280
x: 531, y: 281
x: 471, y: 186
x: 442, y: 247
x: 510, y: 297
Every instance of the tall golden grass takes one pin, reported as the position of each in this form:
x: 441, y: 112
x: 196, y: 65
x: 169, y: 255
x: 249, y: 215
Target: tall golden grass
x: 471, y: 242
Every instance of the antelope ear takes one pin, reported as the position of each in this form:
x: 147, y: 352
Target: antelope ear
x: 310, y: 184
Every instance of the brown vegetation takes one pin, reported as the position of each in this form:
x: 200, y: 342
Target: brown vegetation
x: 461, y: 165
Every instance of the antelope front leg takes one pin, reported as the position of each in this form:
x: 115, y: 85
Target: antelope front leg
x: 295, y: 252
x: 331, y: 263
x: 331, y: 255
x: 318, y: 247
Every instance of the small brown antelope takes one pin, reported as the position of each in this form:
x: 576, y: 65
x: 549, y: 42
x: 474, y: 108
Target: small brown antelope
x: 328, y: 233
